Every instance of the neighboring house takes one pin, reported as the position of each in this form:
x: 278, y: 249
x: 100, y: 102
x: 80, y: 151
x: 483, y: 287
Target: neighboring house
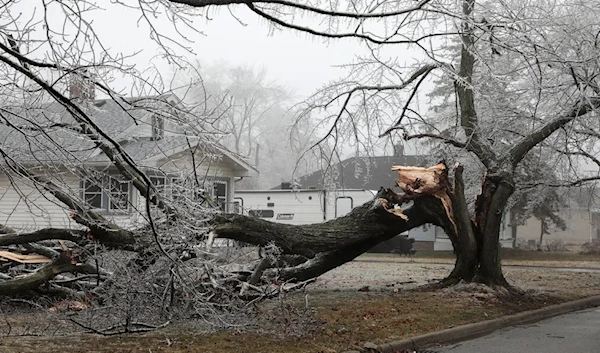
x: 582, y: 218
x: 180, y: 167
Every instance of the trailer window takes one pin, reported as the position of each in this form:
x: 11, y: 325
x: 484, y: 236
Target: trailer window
x: 343, y: 206
x: 261, y: 213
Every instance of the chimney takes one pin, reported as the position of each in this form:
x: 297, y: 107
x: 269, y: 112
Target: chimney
x: 81, y: 85
x: 398, y: 149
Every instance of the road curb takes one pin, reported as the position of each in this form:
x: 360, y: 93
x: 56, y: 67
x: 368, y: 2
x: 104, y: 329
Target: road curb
x: 478, y: 329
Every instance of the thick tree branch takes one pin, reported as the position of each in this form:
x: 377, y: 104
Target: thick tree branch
x: 42, y: 234
x: 518, y: 152
x: 464, y: 87
x: 63, y: 263
x: 357, y: 15
x: 371, y: 220
x: 326, y: 261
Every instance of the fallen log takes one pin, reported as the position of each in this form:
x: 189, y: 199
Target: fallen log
x: 370, y: 223
x: 333, y: 243
x: 63, y: 263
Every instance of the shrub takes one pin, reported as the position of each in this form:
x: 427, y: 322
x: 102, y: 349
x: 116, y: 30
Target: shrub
x: 590, y: 248
x: 555, y: 245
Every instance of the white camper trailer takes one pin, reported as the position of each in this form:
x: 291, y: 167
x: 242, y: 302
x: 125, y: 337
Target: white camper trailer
x: 299, y: 206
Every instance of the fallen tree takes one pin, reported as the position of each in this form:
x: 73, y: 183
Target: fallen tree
x: 325, y: 246
x: 322, y: 246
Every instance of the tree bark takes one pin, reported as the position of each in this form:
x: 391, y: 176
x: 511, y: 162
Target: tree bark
x: 14, y: 238
x: 462, y: 233
x: 367, y: 224
x: 62, y: 263
x: 543, y: 228
x: 489, y: 208
x: 326, y: 261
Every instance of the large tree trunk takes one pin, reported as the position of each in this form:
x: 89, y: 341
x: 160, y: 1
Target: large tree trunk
x: 462, y: 233
x: 475, y: 241
x: 368, y: 224
x: 489, y: 208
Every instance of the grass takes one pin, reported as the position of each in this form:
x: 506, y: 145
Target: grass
x: 507, y: 255
x: 517, y: 254
x: 341, y: 322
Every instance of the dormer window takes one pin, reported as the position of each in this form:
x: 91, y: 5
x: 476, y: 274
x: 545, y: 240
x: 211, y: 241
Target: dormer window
x: 158, y: 127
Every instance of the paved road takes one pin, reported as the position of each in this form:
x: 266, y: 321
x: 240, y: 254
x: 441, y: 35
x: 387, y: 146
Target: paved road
x: 576, y: 332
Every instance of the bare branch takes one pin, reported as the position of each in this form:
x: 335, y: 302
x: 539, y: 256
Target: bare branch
x: 445, y: 139
x: 320, y: 11
x: 518, y: 152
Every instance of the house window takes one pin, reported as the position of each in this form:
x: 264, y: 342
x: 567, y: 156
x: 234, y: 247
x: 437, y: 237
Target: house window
x: 92, y: 192
x: 261, y: 213
x: 158, y: 127
x: 118, y: 195
x: 108, y: 193
x: 220, y: 193
x: 159, y: 183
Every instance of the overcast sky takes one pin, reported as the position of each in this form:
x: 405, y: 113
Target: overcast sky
x: 297, y: 60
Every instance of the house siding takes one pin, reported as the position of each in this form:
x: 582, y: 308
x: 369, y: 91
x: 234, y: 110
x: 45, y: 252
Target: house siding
x: 578, y: 228
x: 182, y: 164
x: 24, y: 207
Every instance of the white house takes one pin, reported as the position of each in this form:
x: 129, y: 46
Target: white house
x: 180, y: 166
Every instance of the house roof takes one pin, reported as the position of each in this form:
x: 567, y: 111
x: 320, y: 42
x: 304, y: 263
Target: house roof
x: 369, y: 173
x: 148, y: 152
x: 56, y: 143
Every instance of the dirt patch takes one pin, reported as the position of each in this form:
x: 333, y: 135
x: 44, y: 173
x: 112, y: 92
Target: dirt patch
x: 339, y: 323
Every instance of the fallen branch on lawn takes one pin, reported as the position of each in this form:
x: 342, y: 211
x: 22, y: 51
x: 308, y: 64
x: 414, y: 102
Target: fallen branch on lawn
x: 63, y: 263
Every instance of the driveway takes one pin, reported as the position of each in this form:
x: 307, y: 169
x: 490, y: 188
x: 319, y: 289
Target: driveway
x: 576, y: 332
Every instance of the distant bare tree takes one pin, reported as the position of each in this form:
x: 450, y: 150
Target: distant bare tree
x: 256, y: 121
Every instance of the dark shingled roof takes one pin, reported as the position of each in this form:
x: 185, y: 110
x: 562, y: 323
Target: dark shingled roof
x: 56, y: 143
x: 369, y: 173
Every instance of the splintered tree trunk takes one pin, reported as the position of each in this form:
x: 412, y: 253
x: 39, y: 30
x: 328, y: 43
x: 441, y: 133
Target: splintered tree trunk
x: 462, y: 232
x: 475, y: 242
